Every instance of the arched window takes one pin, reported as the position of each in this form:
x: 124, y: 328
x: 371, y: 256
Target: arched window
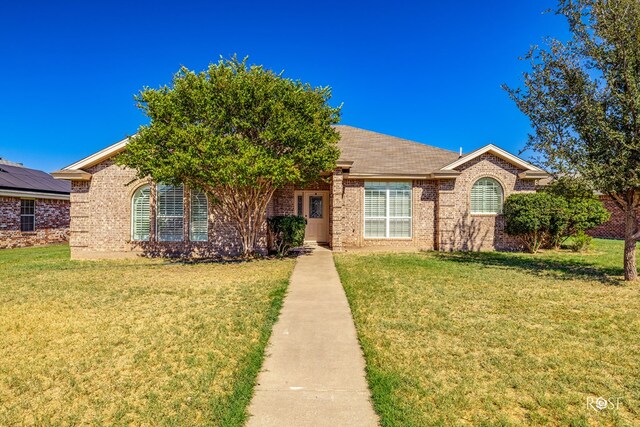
x: 486, y: 197
x: 140, y: 214
x: 170, y: 213
x: 199, y: 217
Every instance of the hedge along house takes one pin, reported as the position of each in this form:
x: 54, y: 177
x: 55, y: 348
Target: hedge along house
x: 385, y: 191
x: 34, y: 207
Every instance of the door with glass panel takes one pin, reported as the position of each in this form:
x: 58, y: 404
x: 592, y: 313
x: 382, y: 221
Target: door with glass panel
x: 314, y: 206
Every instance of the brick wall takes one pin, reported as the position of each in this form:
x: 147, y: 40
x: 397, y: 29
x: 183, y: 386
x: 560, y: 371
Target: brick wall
x: 461, y: 230
x: 441, y: 211
x: 101, y: 220
x: 614, y: 228
x: 51, y: 226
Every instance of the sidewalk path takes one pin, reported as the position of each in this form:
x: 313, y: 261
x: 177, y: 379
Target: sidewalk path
x: 313, y: 374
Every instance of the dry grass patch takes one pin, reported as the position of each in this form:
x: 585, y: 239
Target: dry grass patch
x: 141, y: 342
x: 497, y: 339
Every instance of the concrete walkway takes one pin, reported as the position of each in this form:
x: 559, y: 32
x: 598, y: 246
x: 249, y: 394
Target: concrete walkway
x: 313, y: 374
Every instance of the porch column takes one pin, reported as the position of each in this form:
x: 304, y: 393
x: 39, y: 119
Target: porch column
x: 336, y: 210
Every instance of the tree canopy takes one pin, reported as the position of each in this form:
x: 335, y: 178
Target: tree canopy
x: 583, y: 99
x: 238, y: 132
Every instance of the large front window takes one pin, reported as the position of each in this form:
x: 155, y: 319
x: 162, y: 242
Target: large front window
x: 170, y: 215
x: 387, y: 209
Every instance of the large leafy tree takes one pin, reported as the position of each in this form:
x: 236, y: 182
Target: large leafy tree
x: 237, y: 132
x: 583, y: 99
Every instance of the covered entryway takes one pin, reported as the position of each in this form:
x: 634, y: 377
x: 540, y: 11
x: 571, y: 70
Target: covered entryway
x: 314, y: 206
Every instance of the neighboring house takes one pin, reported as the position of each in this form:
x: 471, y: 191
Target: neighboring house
x: 385, y: 191
x: 614, y: 228
x: 34, y: 207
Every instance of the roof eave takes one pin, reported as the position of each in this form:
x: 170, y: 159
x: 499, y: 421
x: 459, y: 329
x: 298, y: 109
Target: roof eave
x: 496, y: 151
x: 362, y: 175
x: 34, y: 194
x: 100, y: 156
x: 72, y: 175
x: 444, y: 174
x: 533, y: 175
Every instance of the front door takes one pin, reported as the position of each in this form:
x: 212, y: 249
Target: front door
x: 314, y: 206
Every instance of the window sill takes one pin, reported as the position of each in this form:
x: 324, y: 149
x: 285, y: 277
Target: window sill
x: 486, y: 214
x: 388, y: 238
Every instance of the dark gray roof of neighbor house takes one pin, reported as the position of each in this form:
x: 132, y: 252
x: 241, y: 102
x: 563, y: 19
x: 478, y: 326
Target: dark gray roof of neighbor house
x: 376, y: 153
x: 25, y: 179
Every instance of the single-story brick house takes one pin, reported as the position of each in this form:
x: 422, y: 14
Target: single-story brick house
x: 34, y: 207
x: 385, y: 191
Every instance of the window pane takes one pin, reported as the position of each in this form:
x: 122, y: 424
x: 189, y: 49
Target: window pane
x: 170, y: 216
x: 170, y: 229
x: 399, y: 228
x: 141, y: 213
x: 27, y: 223
x: 199, y: 221
x: 399, y: 203
x: 375, y: 203
x: 300, y: 205
x: 315, y: 207
x: 375, y: 228
x: 27, y: 207
x: 486, y: 196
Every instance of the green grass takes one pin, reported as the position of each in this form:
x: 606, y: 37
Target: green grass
x: 142, y: 342
x: 497, y: 339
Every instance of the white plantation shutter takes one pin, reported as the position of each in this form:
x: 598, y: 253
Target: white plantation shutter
x: 387, y: 210
x: 170, y: 215
x: 486, y: 197
x: 199, y: 218
x: 141, y: 214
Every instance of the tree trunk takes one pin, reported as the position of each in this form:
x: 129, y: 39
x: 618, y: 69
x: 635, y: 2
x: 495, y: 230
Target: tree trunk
x: 630, y: 239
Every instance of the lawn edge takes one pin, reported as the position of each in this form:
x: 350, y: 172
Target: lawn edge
x: 237, y: 402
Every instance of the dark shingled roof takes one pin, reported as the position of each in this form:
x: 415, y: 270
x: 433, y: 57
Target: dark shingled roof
x: 25, y: 179
x: 376, y: 153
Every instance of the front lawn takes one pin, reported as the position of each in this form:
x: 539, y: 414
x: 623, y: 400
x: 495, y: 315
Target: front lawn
x: 137, y: 342
x: 497, y: 338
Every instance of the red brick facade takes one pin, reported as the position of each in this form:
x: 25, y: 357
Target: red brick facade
x: 441, y: 218
x: 51, y: 223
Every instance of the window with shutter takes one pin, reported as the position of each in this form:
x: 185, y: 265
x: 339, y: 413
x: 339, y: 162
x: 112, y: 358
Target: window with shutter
x: 486, y: 197
x: 170, y: 213
x: 387, y: 209
x: 199, y: 218
x: 141, y: 214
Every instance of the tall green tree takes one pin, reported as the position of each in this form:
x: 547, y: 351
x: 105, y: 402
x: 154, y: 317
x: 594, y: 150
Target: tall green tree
x: 237, y: 132
x: 583, y: 99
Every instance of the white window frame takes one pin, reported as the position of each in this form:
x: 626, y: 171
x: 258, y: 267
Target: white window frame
x: 500, y: 203
x: 133, y: 196
x: 191, y: 231
x: 158, y: 216
x: 33, y: 215
x: 388, y: 216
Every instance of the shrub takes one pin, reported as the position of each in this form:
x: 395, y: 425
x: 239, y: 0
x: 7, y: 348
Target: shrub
x: 581, y: 242
x: 535, y: 218
x: 286, y: 232
x: 584, y: 210
x: 547, y: 219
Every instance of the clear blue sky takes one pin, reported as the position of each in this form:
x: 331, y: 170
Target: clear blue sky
x: 427, y: 71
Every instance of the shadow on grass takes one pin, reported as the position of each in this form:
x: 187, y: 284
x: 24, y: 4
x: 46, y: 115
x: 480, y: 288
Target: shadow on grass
x: 535, y: 264
x: 293, y: 253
